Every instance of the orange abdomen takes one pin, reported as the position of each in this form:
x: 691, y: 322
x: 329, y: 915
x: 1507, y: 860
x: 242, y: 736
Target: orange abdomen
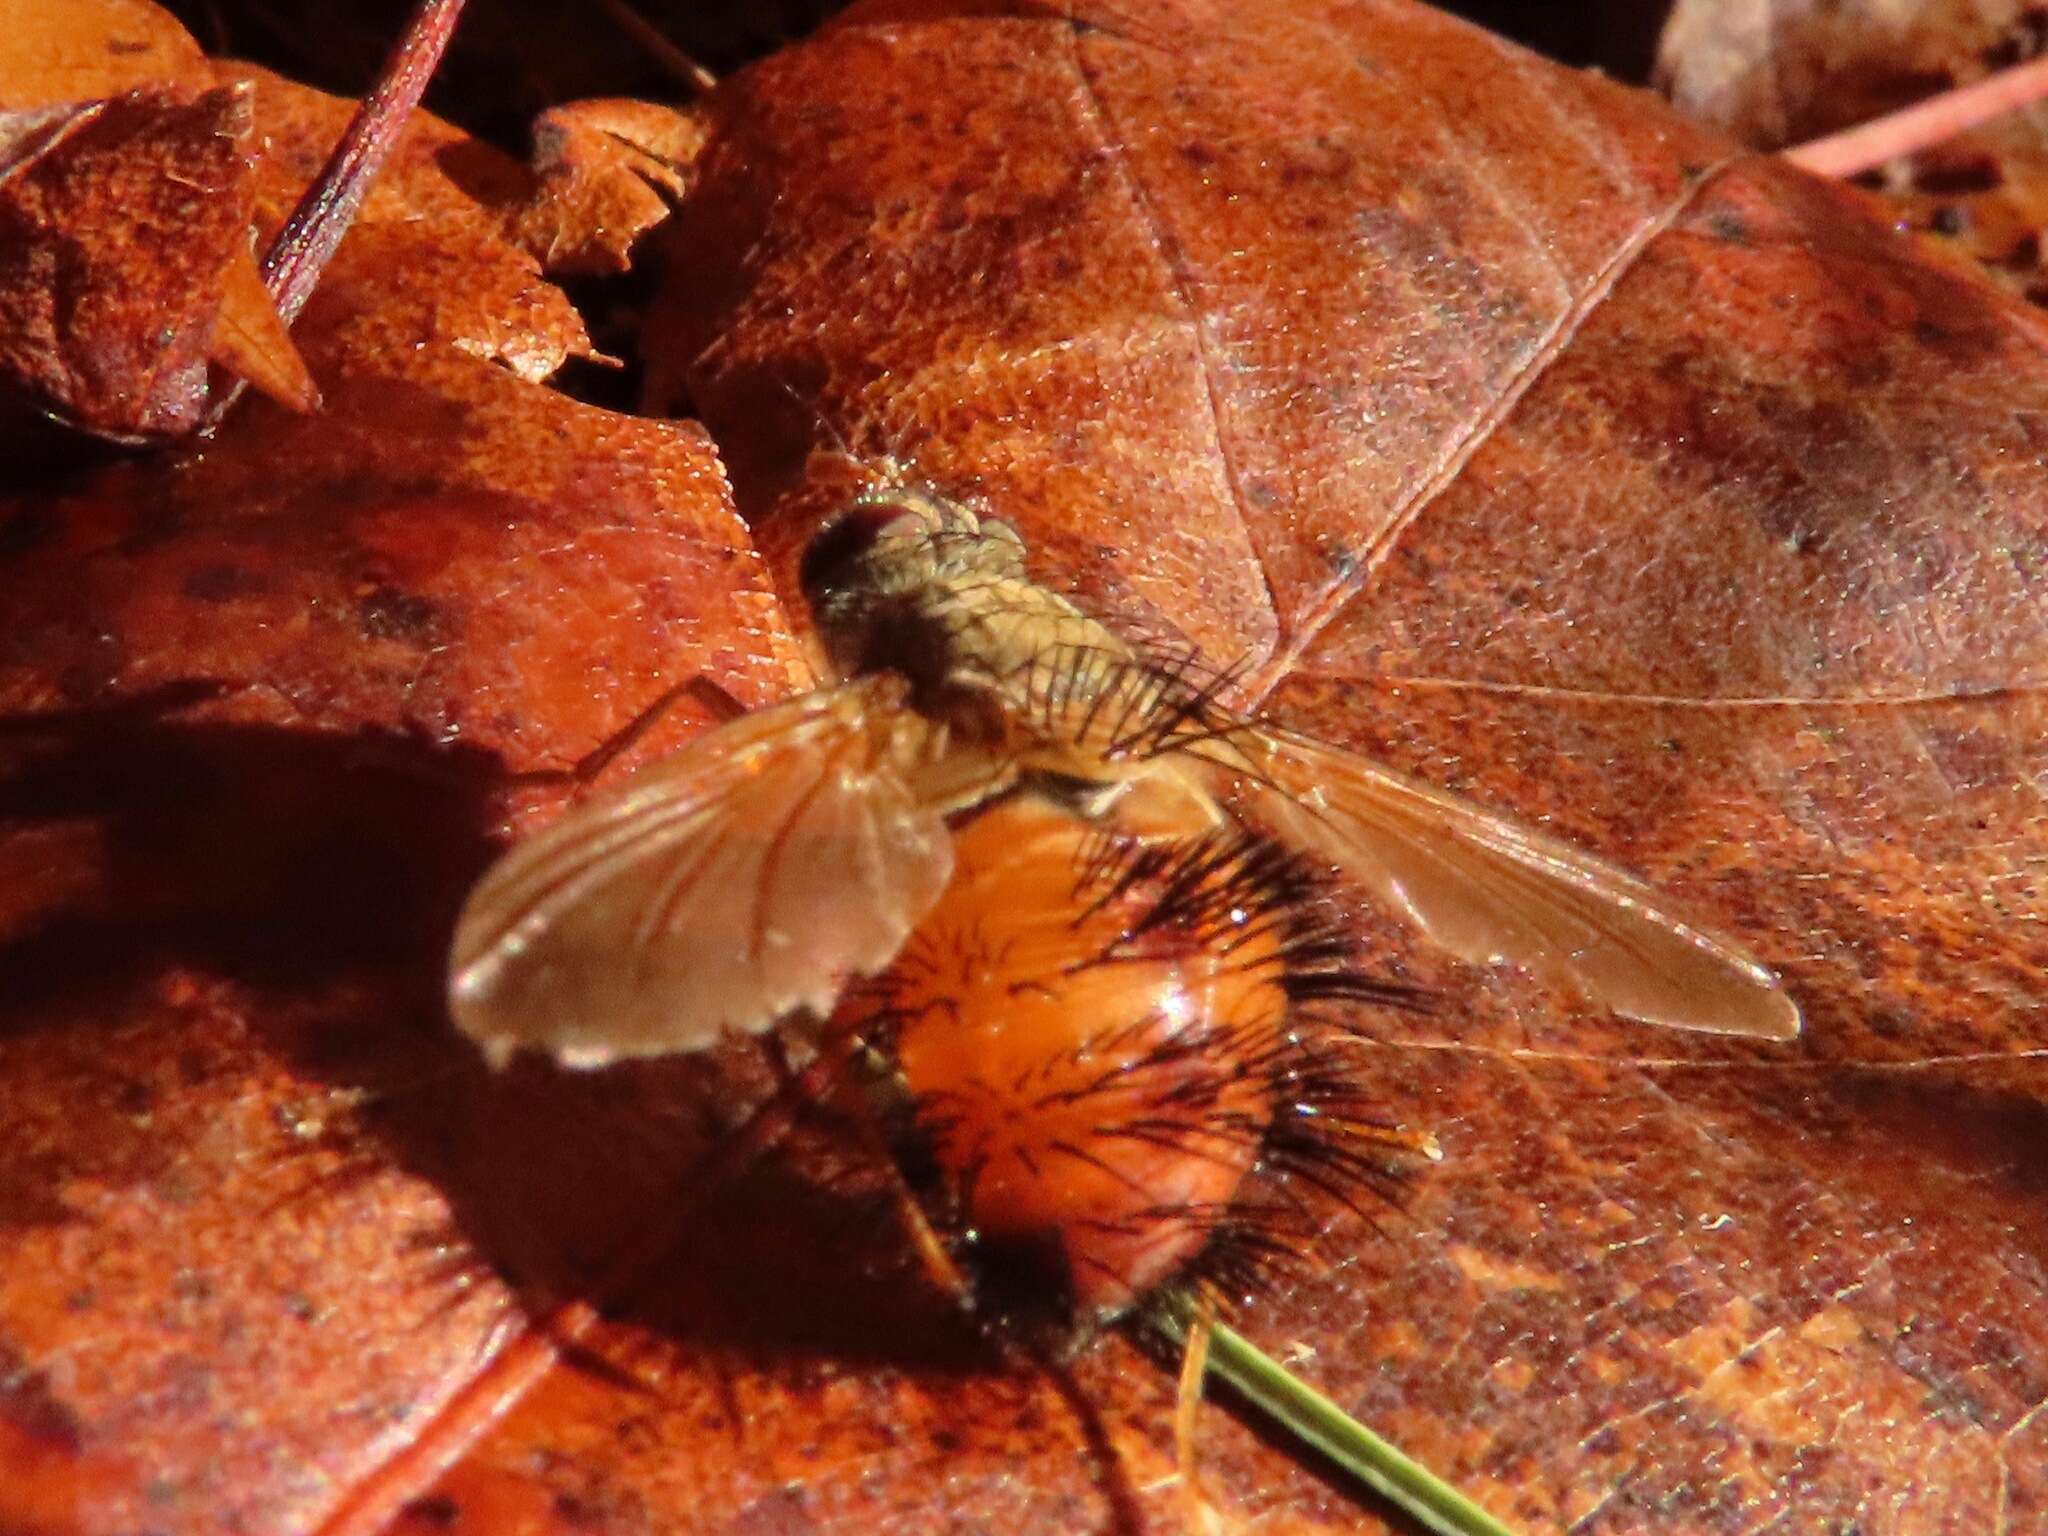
x: 1082, y: 1034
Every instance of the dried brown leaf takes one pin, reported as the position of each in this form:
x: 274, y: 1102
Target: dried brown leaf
x: 258, y: 696
x: 607, y: 172
x: 119, y: 221
x: 64, y: 51
x: 1511, y: 427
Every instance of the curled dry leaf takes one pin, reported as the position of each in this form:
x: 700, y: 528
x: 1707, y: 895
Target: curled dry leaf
x: 607, y: 172
x: 1779, y: 72
x: 1512, y: 427
x: 125, y: 203
x: 120, y: 221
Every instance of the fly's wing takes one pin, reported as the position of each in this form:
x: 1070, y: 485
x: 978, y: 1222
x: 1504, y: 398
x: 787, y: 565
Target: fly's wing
x: 1493, y: 891
x: 750, y: 873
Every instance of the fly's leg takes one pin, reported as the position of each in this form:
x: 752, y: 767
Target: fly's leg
x: 937, y: 1260
x: 940, y: 1267
x: 713, y: 704
x: 713, y: 701
x: 861, y: 1127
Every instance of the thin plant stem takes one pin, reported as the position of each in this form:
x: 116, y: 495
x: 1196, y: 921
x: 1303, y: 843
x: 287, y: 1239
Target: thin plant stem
x: 310, y: 236
x: 1288, y: 1402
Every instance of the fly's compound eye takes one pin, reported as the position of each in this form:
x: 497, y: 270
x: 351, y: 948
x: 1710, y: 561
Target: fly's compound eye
x: 903, y: 515
x: 847, y: 545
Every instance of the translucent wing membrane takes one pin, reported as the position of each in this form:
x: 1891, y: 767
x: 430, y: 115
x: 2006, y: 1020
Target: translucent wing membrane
x: 750, y: 873
x: 1490, y: 890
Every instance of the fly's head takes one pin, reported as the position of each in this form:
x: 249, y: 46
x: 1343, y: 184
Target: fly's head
x: 891, y: 560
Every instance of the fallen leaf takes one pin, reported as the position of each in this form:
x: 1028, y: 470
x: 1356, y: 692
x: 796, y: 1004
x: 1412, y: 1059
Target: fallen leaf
x: 1560, y: 452
x: 125, y: 264
x: 119, y: 221
x: 251, y: 340
x: 257, y: 698
x: 606, y: 173
x: 1509, y: 426
x: 85, y: 50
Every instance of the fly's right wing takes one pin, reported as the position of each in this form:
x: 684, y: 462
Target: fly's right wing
x: 1490, y: 889
x: 750, y: 873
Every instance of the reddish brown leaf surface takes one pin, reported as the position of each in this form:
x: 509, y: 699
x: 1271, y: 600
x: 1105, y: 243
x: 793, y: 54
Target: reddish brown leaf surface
x: 119, y: 220
x: 256, y: 695
x: 607, y: 170
x: 1513, y: 429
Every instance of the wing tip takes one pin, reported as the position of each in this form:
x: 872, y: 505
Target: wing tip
x: 1782, y: 1020
x: 1764, y: 1011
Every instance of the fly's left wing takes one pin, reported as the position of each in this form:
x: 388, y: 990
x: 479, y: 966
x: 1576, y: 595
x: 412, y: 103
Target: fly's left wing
x: 750, y: 873
x: 1491, y: 890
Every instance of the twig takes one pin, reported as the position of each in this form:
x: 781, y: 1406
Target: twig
x: 296, y: 258
x: 303, y: 247
x: 1871, y: 144
x: 658, y: 46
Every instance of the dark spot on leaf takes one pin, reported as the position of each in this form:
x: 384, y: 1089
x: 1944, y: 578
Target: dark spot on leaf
x: 1730, y: 227
x: 436, y: 1509
x: 389, y: 614
x: 219, y: 583
x: 575, y: 1512
x: 24, y: 530
x: 27, y: 1404
x: 1949, y: 219
x: 134, y: 1097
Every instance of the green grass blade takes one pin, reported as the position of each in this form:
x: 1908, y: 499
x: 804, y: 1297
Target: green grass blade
x: 1293, y: 1405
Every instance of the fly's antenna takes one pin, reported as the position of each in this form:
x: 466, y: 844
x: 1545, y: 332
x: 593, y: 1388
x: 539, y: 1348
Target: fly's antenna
x: 823, y: 423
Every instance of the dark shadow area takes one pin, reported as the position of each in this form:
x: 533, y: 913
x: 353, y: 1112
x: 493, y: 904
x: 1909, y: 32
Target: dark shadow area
x: 311, y: 882
x: 1616, y: 36
x: 510, y: 59
x: 280, y: 859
